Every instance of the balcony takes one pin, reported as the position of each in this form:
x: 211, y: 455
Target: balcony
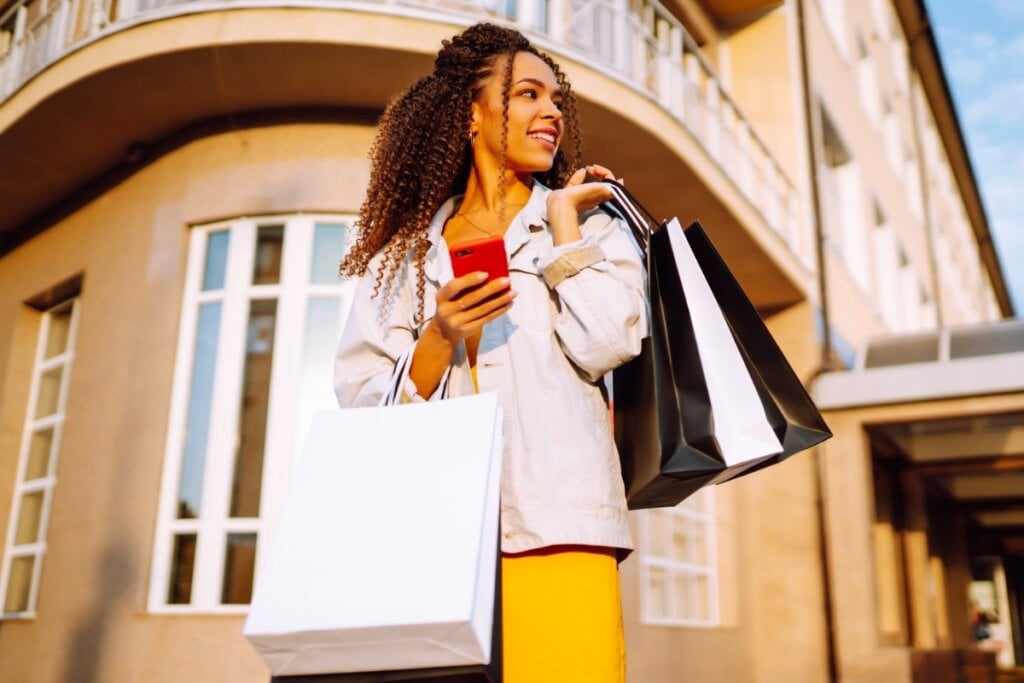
x: 638, y: 44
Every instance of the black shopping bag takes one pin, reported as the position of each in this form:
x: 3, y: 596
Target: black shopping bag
x: 790, y: 408
x: 665, y: 421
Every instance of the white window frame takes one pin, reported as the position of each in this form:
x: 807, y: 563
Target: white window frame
x: 47, y: 483
x: 284, y: 427
x: 833, y: 13
x: 674, y: 566
x: 881, y: 19
x: 888, y: 276
x: 853, y: 227
x: 891, y: 137
x: 867, y: 82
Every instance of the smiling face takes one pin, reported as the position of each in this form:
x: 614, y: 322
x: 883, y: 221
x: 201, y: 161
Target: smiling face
x: 534, y: 116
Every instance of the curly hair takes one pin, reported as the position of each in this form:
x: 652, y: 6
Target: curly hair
x: 422, y: 156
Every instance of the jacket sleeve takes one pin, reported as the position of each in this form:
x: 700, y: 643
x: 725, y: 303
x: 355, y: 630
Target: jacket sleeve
x: 376, y: 348
x: 599, y: 282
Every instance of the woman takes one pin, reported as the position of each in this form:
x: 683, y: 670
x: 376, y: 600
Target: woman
x: 471, y: 151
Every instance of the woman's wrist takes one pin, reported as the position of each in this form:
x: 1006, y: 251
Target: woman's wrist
x: 563, y: 217
x: 437, y: 341
x: 431, y: 358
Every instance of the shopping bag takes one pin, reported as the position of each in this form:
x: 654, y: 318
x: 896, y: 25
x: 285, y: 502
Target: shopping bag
x: 696, y: 406
x: 385, y: 556
x: 790, y: 409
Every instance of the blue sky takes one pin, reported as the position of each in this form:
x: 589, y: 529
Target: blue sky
x: 982, y: 47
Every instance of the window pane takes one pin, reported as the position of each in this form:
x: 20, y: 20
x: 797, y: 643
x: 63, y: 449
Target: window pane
x: 239, y: 561
x: 60, y: 331
x: 316, y: 386
x: 40, y: 444
x: 658, y: 528
x: 266, y: 267
x: 684, y: 598
x: 29, y: 518
x: 19, y: 584
x: 197, y: 428
x: 183, y: 562
x: 216, y: 260
x: 682, y: 545
x: 49, y: 392
x: 700, y: 543
x: 252, y: 423
x: 657, y: 587
x: 328, y: 248
x: 702, y: 597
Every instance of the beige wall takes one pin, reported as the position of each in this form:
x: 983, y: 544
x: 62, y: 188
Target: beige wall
x: 782, y: 559
x: 131, y: 246
x: 765, y: 80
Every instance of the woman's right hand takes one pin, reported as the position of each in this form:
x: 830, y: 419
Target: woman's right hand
x: 464, y: 305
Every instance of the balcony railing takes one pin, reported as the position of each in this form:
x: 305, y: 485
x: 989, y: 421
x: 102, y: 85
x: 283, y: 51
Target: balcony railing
x: 638, y: 41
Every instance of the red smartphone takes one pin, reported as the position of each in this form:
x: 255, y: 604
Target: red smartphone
x: 487, y: 254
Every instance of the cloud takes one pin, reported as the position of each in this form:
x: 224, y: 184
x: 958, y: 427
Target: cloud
x: 1008, y: 9
x: 999, y: 105
x: 969, y: 58
x: 982, y: 40
x: 999, y: 176
x: 1014, y: 52
x: 967, y: 70
x: 982, y: 47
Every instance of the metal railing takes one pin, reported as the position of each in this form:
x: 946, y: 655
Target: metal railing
x: 638, y: 41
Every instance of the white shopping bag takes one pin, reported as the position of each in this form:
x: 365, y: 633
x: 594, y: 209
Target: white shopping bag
x: 741, y: 427
x: 385, y: 555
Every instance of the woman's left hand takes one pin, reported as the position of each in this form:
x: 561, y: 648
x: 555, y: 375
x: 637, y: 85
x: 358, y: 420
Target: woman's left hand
x: 582, y: 193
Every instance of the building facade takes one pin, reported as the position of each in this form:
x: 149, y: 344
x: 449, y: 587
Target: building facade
x: 178, y: 180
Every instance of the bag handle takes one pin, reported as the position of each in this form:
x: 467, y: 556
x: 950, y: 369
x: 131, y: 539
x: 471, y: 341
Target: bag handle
x: 626, y: 206
x: 399, y: 377
x: 390, y: 396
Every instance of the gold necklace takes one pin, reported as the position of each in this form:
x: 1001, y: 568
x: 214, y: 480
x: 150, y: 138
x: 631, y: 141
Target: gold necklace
x: 474, y: 225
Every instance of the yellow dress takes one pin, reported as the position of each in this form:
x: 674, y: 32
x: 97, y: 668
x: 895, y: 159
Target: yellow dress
x: 561, y: 612
x: 562, y: 616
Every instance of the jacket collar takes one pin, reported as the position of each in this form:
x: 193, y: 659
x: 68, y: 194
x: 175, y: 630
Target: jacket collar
x: 531, y: 218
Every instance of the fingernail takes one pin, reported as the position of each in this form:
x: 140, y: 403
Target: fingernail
x: 481, y: 276
x: 505, y: 282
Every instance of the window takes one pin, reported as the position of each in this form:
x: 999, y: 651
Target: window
x: 912, y: 173
x: 880, y: 16
x: 867, y: 82
x: 679, y: 563
x: 842, y: 200
x: 910, y: 293
x: 262, y: 314
x: 891, y: 136
x: 904, y: 303
x: 900, y: 64
x: 37, y: 462
x: 834, y: 14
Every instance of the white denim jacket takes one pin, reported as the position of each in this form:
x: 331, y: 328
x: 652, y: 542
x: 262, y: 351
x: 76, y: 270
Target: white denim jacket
x: 580, y: 312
